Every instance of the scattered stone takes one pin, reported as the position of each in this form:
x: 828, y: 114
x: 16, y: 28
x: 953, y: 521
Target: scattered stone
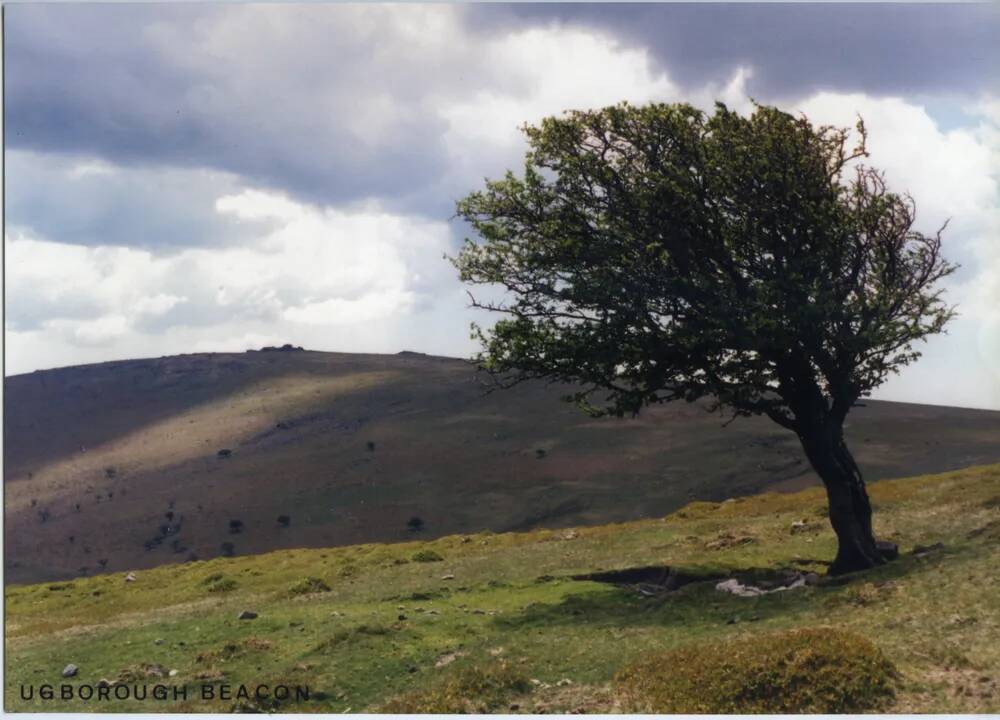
x: 449, y: 576
x: 496, y: 651
x: 158, y: 641
x: 130, y: 577
x: 70, y: 670
x: 246, y: 615
x: 433, y: 612
x: 172, y: 673
x: 735, y: 587
x: 224, y: 453
x: 466, y: 540
x: 799, y: 526
x: 448, y: 659
x: 402, y: 616
x: 647, y: 590
x: 105, y: 683
x: 564, y: 682
x: 811, y: 578
x: 570, y: 535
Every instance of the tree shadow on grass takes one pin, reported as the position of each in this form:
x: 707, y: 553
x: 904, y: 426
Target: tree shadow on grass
x: 700, y: 604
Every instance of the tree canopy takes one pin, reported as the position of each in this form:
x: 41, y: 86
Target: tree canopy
x: 661, y: 253
x: 658, y: 253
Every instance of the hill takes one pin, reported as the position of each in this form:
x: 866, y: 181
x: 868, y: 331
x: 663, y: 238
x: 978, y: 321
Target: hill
x: 526, y: 621
x: 123, y: 465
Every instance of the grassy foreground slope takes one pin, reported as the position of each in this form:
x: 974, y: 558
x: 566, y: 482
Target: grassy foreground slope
x: 389, y: 624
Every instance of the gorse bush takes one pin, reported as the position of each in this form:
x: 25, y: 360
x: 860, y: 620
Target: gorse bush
x: 426, y: 556
x: 223, y: 585
x: 468, y: 690
x: 309, y: 585
x: 814, y: 670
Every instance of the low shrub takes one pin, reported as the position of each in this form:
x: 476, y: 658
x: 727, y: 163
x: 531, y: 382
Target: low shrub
x: 223, y: 585
x: 426, y: 556
x: 467, y: 690
x: 813, y: 670
x: 309, y: 585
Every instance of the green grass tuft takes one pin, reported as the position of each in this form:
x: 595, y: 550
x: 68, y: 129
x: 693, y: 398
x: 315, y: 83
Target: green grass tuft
x: 812, y: 670
x: 308, y: 586
x: 223, y: 585
x: 426, y: 556
x: 476, y: 689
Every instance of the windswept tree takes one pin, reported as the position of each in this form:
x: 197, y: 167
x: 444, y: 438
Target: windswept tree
x: 659, y: 253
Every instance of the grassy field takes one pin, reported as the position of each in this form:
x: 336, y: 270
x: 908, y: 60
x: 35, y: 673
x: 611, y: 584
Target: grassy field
x: 364, y: 624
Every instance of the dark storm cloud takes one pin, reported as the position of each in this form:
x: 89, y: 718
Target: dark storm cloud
x: 174, y: 85
x: 894, y: 49
x: 81, y: 202
x: 332, y: 105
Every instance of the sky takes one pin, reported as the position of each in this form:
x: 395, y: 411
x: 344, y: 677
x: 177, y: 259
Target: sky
x: 192, y: 177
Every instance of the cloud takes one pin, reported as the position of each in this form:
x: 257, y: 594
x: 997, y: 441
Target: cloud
x: 795, y: 49
x: 952, y: 175
x: 319, y: 267
x: 350, y: 102
x: 87, y: 200
x: 171, y: 187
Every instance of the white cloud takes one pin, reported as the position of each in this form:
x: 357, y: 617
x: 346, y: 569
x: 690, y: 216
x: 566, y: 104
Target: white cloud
x: 318, y: 268
x: 951, y: 175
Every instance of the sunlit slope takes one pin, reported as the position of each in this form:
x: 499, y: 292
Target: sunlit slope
x: 117, y: 465
x: 362, y: 624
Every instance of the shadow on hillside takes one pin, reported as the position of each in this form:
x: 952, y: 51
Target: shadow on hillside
x: 699, y: 603
x: 55, y: 414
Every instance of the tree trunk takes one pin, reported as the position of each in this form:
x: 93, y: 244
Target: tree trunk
x: 850, y: 509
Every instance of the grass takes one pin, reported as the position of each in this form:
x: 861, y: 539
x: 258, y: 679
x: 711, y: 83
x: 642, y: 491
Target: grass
x: 812, y: 670
x: 392, y: 631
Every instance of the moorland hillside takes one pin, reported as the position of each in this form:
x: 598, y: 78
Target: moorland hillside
x: 134, y: 464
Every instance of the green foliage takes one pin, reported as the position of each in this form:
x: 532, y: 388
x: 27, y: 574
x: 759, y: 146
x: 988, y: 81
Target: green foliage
x: 309, y: 585
x: 222, y: 585
x: 801, y: 671
x: 426, y: 556
x: 468, y: 690
x: 659, y: 253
